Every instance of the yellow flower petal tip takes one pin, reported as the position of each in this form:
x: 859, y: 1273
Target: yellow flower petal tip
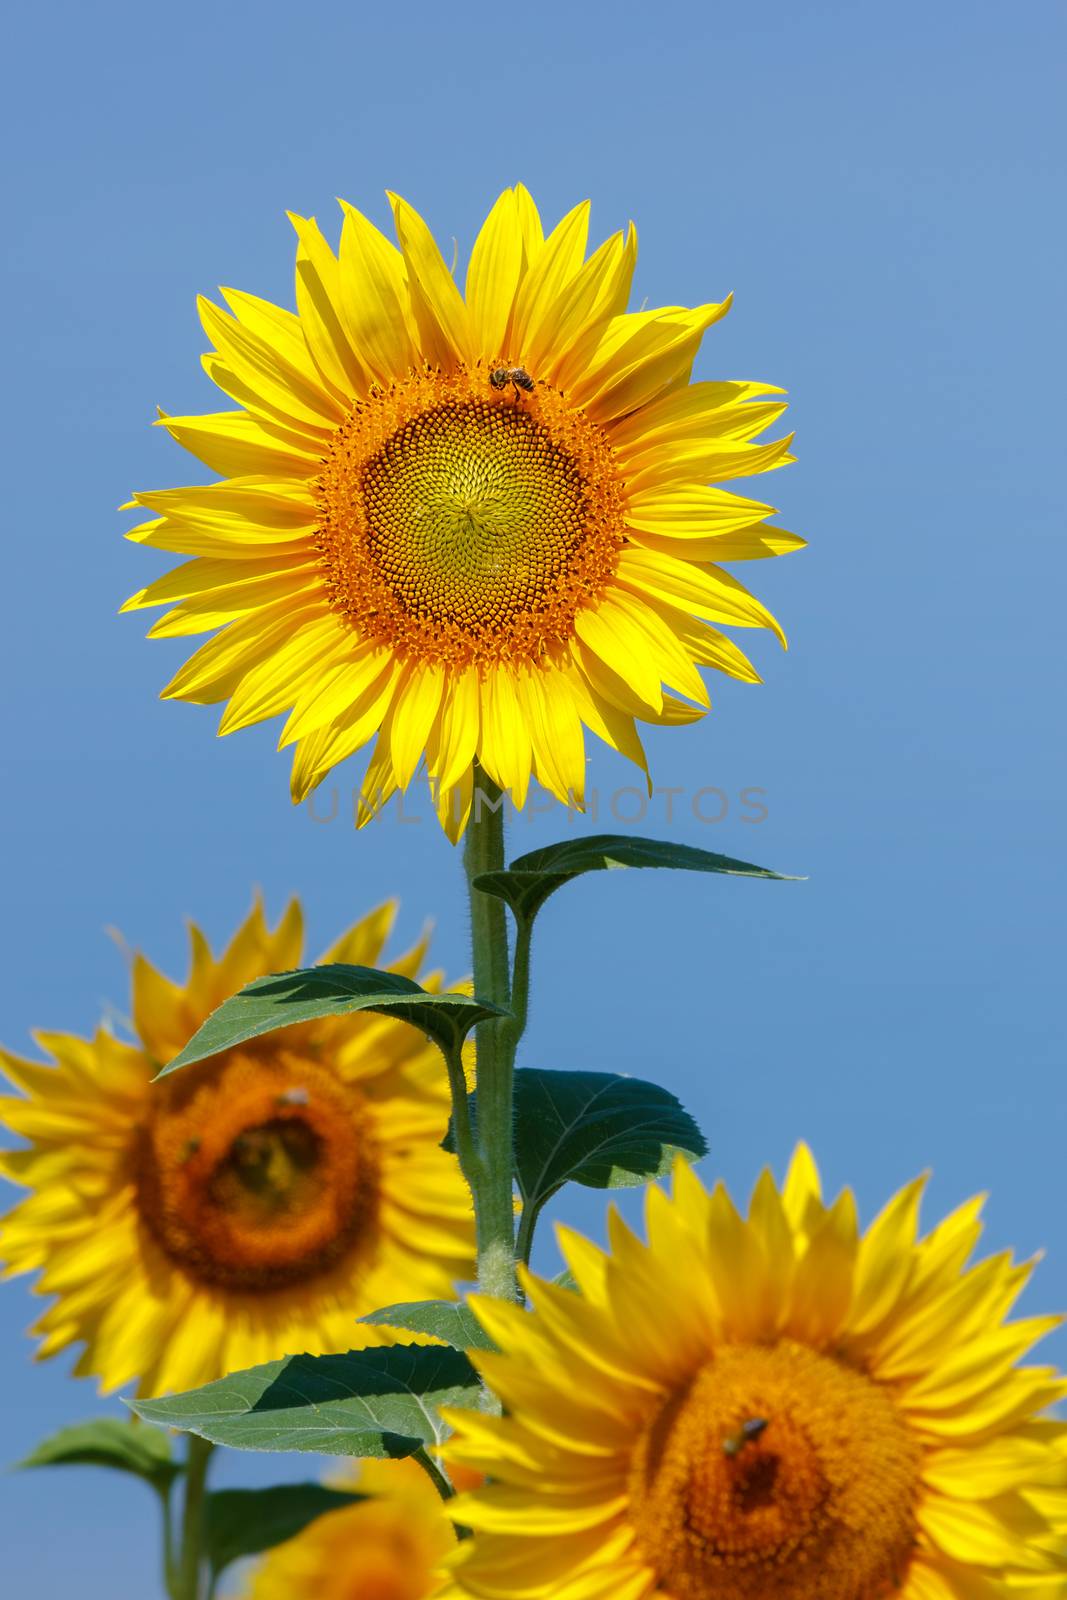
x: 777, y: 1405
x: 243, y: 1209
x: 463, y: 525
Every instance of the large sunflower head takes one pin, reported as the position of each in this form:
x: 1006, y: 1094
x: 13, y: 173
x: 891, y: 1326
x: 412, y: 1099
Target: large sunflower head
x: 463, y: 526
x: 771, y: 1409
x: 246, y: 1208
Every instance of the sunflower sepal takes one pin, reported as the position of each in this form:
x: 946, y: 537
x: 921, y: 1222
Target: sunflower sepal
x: 452, y: 1322
x: 333, y: 989
x: 245, y: 1522
x: 378, y: 1403
x: 530, y: 879
x: 123, y: 1446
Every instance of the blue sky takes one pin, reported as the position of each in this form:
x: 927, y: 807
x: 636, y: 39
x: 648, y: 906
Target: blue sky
x: 877, y: 186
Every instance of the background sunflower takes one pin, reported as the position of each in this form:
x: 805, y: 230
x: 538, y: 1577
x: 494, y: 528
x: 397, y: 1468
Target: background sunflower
x: 390, y: 1546
x: 252, y: 1207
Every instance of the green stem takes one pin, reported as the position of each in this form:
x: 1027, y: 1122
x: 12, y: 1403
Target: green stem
x: 462, y: 1127
x: 520, y: 977
x: 190, y: 1558
x: 492, y: 1182
x: 170, y: 1576
x: 433, y: 1472
x: 527, y: 1224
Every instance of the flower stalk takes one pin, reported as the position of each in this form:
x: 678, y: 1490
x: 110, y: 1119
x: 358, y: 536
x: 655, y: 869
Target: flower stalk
x: 189, y: 1570
x: 497, y: 1040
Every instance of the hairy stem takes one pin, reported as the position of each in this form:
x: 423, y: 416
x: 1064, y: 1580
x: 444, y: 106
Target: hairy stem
x: 497, y: 1040
x: 462, y: 1127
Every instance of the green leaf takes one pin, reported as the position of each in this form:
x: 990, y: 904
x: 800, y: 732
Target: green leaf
x: 242, y: 1522
x: 450, y: 1320
x: 597, y: 1129
x: 530, y: 879
x: 110, y: 1442
x: 332, y: 990
x: 367, y: 1403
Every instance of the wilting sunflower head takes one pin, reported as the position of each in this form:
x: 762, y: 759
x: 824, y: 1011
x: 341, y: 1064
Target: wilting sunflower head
x: 239, y: 1210
x: 390, y: 1546
x: 772, y: 1409
x: 463, y: 526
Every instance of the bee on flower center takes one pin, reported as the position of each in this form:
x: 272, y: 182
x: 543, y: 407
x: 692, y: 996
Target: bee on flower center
x: 500, y: 377
x: 747, y: 1433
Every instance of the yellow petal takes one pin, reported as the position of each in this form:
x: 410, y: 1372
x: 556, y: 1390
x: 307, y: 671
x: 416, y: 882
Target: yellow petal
x: 612, y: 636
x: 438, y: 305
x: 318, y: 752
x: 214, y: 670
x: 698, y: 411
x: 971, y: 1533
x: 635, y: 359
x: 662, y: 466
x: 455, y: 738
x: 375, y: 296
x: 886, y: 1260
x: 556, y: 733
x: 267, y: 373
x: 697, y: 511
x: 603, y: 715
x: 533, y: 235
x: 706, y: 591
x: 223, y: 605
x: 233, y: 443
x: 504, y: 747
x: 319, y: 299
x: 497, y: 263
x: 598, y: 292
x: 411, y: 716
x: 556, y: 265
x: 991, y: 1469
x: 336, y: 690
x: 272, y: 685
x: 822, y: 1289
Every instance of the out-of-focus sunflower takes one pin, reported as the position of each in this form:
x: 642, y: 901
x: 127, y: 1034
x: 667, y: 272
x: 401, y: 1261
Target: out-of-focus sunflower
x: 388, y: 1547
x: 250, y: 1207
x: 770, y: 1409
x: 469, y: 526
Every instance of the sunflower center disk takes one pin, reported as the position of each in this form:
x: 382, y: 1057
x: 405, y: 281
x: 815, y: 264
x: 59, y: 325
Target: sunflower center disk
x: 257, y: 1172
x: 462, y: 525
x: 778, y: 1473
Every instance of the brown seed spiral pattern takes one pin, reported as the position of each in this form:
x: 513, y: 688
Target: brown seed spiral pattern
x: 461, y: 525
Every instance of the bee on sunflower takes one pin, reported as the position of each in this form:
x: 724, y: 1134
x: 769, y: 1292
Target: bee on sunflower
x: 463, y: 526
x: 258, y: 1204
x: 773, y: 1409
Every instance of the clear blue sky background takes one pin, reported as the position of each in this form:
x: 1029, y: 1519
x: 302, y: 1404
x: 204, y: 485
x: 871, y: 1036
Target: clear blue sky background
x: 880, y: 188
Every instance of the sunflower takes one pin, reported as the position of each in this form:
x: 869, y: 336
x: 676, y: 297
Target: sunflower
x: 247, y: 1208
x: 770, y: 1409
x: 387, y: 1547
x: 462, y: 527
